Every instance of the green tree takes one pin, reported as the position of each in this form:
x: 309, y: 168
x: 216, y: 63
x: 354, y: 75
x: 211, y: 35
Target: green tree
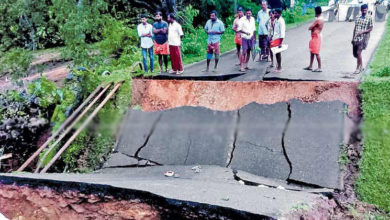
x: 79, y: 24
x: 27, y: 23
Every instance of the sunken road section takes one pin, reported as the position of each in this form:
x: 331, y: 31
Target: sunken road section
x: 295, y: 141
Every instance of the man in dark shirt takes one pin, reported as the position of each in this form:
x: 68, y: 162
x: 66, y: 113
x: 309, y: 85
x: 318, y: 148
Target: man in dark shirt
x: 160, y: 31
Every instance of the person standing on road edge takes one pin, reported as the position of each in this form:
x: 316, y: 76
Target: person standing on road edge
x: 145, y: 32
x: 237, y: 37
x: 361, y: 35
x: 160, y: 31
x: 315, y: 42
x: 262, y: 18
x: 214, y: 29
x: 175, y: 32
x: 279, y: 35
x: 247, y: 28
x: 270, y: 27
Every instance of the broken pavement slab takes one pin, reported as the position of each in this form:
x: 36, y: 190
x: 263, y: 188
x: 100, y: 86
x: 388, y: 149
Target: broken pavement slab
x: 258, y: 147
x: 298, y: 142
x: 313, y: 139
x: 213, y: 186
x: 120, y: 160
x: 251, y: 179
x: 190, y: 136
x: 209, y: 173
x: 136, y: 128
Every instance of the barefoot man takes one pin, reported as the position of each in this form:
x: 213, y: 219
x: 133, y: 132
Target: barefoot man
x: 262, y: 18
x: 247, y: 28
x: 315, y: 42
x: 279, y: 35
x: 145, y: 33
x: 361, y: 34
x: 237, y: 37
x: 270, y: 28
x: 160, y: 31
x: 214, y: 29
x: 175, y: 33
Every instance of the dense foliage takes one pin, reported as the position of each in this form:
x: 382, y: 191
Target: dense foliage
x: 37, y: 24
x: 27, y: 24
x: 15, y: 62
x: 24, y: 114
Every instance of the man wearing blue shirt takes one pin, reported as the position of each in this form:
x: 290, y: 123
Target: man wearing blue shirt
x: 262, y: 18
x: 160, y: 31
x: 214, y: 29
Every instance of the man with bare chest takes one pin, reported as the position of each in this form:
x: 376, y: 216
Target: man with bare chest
x: 315, y: 42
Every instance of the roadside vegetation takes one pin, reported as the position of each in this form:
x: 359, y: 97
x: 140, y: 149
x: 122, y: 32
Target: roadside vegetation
x: 97, y: 36
x: 373, y: 185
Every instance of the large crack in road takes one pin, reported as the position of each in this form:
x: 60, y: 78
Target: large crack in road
x: 149, y: 135
x: 264, y: 140
x: 235, y: 134
x: 283, y: 140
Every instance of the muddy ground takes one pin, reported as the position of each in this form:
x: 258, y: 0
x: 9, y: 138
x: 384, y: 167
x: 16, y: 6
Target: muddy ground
x: 50, y: 65
x: 22, y: 202
x: 33, y: 199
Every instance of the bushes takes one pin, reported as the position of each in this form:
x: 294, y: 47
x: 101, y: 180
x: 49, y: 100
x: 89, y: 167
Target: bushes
x: 27, y: 24
x: 94, y: 144
x: 295, y: 15
x: 15, y: 63
x: 24, y: 117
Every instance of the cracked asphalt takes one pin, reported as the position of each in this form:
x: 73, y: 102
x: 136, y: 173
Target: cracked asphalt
x: 213, y: 186
x: 279, y: 141
x: 261, y: 159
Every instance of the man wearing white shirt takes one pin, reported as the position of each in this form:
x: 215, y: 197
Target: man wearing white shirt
x: 175, y: 32
x: 262, y: 18
x: 145, y: 32
x: 279, y: 35
x: 247, y: 28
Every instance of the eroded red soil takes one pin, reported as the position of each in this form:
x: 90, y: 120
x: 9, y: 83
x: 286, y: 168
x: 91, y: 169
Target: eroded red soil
x: 154, y: 95
x: 22, y: 202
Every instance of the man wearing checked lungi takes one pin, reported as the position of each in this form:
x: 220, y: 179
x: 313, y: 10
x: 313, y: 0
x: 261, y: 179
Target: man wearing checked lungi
x: 214, y: 29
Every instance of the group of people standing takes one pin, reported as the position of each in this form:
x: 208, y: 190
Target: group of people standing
x: 162, y: 39
x: 271, y: 31
x: 166, y: 38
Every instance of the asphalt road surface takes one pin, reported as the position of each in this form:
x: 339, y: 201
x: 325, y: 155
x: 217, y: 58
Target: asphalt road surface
x: 338, y: 63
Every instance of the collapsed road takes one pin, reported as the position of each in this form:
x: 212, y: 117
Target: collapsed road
x: 294, y: 141
x: 237, y: 149
x: 263, y: 160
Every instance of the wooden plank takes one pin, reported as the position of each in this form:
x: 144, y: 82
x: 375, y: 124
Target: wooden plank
x: 63, y: 125
x: 5, y: 156
x: 68, y: 129
x: 85, y: 123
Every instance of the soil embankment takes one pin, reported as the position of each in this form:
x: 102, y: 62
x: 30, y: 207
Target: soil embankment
x: 155, y: 95
x: 22, y: 202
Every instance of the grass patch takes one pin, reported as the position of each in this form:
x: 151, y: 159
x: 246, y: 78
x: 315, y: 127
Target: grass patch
x: 381, y: 58
x: 373, y: 185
